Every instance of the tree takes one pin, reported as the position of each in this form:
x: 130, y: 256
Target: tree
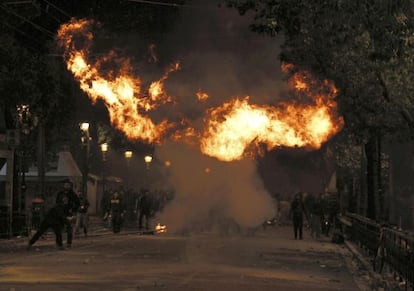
x: 366, y: 48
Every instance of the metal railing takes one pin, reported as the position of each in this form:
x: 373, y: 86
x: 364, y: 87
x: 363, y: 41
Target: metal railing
x: 19, y: 226
x: 399, y: 244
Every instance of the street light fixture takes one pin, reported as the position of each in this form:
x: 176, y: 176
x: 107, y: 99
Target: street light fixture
x: 84, y: 126
x: 128, y: 155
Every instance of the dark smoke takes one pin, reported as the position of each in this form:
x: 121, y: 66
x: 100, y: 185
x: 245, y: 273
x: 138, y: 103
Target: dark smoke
x: 220, y: 56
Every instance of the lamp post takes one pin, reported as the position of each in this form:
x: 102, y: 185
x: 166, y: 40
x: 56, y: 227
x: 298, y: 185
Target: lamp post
x: 104, y: 150
x: 85, y: 138
x: 148, y: 160
x: 26, y: 122
x: 128, y: 156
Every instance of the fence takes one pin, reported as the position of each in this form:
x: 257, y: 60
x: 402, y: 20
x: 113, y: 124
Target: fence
x: 18, y: 225
x: 399, y: 245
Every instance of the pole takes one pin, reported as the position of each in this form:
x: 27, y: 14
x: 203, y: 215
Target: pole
x: 85, y: 165
x: 41, y: 158
x: 10, y: 171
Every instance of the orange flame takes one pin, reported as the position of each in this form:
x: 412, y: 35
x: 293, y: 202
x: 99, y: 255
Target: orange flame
x: 232, y: 131
x: 237, y: 124
x: 202, y: 96
x: 120, y: 91
x: 156, y: 89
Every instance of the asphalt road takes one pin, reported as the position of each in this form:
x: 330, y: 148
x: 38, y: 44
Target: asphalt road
x: 269, y: 260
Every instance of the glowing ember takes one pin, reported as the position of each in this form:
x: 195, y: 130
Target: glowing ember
x: 231, y: 131
x: 160, y: 228
x: 202, y: 96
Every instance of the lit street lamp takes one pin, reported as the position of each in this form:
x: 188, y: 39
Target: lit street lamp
x: 26, y: 121
x: 104, y: 150
x: 128, y: 156
x: 148, y: 160
x: 85, y: 138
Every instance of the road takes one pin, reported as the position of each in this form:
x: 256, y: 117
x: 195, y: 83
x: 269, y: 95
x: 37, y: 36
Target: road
x: 269, y: 260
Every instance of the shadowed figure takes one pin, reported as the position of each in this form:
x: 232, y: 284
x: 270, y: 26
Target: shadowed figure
x: 297, y: 211
x: 145, y: 207
x: 70, y: 202
x: 54, y: 219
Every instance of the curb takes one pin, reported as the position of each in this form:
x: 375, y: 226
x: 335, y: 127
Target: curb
x: 377, y: 281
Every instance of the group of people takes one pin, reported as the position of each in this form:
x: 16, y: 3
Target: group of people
x: 316, y: 211
x: 116, y: 209
x: 70, y: 208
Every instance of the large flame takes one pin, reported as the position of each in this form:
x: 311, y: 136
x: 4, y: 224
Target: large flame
x: 237, y: 124
x: 120, y: 91
x: 230, y: 130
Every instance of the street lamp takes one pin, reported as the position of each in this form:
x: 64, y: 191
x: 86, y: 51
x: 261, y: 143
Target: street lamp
x: 85, y: 138
x: 104, y: 150
x: 148, y: 160
x: 26, y: 121
x: 128, y: 156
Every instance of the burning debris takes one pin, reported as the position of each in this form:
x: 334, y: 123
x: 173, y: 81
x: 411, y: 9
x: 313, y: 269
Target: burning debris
x: 160, y: 228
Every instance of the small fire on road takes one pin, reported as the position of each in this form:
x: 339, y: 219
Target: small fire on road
x: 160, y: 228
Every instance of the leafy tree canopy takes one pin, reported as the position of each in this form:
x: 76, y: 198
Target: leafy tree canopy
x: 365, y: 46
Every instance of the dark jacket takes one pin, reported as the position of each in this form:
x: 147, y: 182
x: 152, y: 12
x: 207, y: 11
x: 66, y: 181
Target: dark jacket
x: 297, y: 209
x: 55, y: 216
x: 116, y: 205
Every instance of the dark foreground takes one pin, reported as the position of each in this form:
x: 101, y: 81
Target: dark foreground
x: 270, y: 260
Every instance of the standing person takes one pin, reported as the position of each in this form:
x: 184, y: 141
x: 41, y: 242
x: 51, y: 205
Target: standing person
x: 316, y: 213
x: 145, y: 206
x: 82, y: 216
x: 70, y: 202
x: 297, y: 211
x: 116, y: 209
x: 54, y: 219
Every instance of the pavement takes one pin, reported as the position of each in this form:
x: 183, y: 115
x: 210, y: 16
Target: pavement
x: 97, y: 227
x: 269, y: 260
